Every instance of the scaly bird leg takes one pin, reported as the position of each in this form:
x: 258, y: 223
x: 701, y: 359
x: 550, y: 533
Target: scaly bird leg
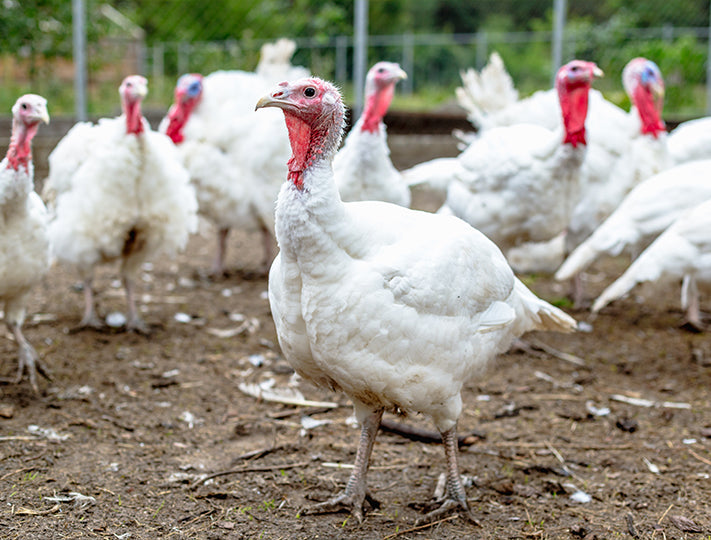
x: 355, y: 494
x: 218, y: 266
x: 28, y: 359
x: 455, y: 496
x: 90, y: 318
x: 134, y: 321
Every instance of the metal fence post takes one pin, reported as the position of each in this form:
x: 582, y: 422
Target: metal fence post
x: 481, y: 48
x: 79, y: 53
x: 360, y: 54
x: 558, y: 26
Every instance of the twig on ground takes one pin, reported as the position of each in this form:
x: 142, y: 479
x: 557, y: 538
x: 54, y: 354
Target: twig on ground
x: 555, y: 353
x: 702, y: 459
x: 420, y: 527
x: 248, y: 470
x: 415, y: 433
x: 32, y: 512
x: 659, y: 521
x: 649, y: 403
x: 24, y: 469
x: 630, y: 526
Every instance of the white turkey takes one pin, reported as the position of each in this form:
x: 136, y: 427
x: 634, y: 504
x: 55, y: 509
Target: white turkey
x: 363, y: 169
x: 681, y: 252
x: 236, y: 162
x: 644, y: 213
x: 398, y: 308
x: 119, y: 193
x: 24, y: 247
x: 520, y: 183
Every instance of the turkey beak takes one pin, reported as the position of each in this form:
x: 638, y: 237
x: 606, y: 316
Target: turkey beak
x: 400, y: 74
x: 597, y: 72
x: 277, y: 98
x: 44, y: 115
x: 657, y: 89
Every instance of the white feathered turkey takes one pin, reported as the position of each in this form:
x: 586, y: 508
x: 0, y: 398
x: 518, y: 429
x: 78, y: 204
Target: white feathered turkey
x: 644, y: 213
x: 24, y: 247
x: 236, y: 161
x: 681, y: 253
x: 520, y: 183
x: 363, y: 169
x: 119, y: 192
x: 398, y: 308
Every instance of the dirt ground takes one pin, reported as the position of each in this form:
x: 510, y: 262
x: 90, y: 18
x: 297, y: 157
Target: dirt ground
x: 135, y: 425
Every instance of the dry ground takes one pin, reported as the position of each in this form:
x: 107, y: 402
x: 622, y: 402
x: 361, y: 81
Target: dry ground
x: 134, y: 424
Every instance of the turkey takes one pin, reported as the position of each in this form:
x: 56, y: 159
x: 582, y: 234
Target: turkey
x: 396, y: 307
x: 507, y: 172
x: 24, y: 246
x: 119, y: 193
x: 683, y: 251
x: 644, y: 213
x: 235, y: 162
x: 362, y: 167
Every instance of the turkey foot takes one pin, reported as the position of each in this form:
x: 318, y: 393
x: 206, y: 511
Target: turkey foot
x: 28, y: 360
x: 138, y: 326
x: 352, y: 502
x: 455, y: 496
x: 448, y: 507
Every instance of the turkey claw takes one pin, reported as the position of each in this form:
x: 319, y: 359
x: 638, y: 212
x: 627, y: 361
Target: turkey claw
x: 353, y: 503
x: 448, y: 507
x: 139, y: 327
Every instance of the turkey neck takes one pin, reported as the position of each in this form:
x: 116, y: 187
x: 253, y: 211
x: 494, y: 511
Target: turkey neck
x: 574, y: 108
x: 309, y: 208
x: 19, y: 153
x: 178, y: 116
x: 649, y: 111
x: 134, y: 124
x: 376, y: 106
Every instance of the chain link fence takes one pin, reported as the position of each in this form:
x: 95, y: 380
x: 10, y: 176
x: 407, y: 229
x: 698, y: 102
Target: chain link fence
x: 166, y: 38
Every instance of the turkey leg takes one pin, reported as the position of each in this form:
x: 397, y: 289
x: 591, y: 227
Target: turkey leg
x: 355, y: 494
x: 455, y: 496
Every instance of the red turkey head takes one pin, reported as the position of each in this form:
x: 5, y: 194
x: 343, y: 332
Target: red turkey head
x: 28, y: 111
x: 573, y: 82
x: 379, y: 89
x: 187, y: 95
x: 132, y: 91
x: 314, y: 114
x: 644, y: 85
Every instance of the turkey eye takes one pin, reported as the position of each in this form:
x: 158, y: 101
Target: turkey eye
x: 24, y: 106
x: 310, y: 91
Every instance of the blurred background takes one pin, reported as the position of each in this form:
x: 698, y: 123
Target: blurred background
x: 432, y: 39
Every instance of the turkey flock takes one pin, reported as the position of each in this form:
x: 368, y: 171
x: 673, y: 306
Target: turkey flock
x: 397, y: 308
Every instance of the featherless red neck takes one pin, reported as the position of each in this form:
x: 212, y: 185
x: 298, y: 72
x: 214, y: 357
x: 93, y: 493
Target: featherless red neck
x: 134, y: 121
x: 376, y: 106
x: 649, y: 111
x: 178, y: 116
x: 19, y: 153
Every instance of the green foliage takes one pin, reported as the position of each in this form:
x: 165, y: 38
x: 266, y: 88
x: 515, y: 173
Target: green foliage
x: 197, y: 35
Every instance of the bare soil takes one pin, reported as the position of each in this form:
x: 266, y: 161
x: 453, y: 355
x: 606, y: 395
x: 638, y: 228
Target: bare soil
x: 135, y: 424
